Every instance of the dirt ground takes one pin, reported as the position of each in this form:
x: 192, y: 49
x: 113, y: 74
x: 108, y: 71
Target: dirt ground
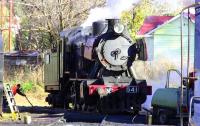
x: 37, y: 99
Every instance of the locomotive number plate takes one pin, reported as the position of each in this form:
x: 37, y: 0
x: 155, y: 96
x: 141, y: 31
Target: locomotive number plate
x: 132, y: 89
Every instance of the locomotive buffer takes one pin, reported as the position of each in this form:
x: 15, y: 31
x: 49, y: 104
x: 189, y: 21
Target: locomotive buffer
x: 11, y: 102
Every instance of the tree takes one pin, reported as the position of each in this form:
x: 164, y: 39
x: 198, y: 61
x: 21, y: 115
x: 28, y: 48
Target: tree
x: 43, y: 20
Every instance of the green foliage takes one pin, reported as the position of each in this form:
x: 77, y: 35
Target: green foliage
x: 27, y: 86
x: 142, y: 10
x: 127, y: 19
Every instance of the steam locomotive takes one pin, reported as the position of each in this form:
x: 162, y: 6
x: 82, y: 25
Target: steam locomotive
x: 92, y: 69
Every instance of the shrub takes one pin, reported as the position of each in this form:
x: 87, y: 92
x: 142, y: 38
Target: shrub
x: 27, y: 86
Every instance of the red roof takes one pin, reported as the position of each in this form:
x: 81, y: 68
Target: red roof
x: 152, y: 22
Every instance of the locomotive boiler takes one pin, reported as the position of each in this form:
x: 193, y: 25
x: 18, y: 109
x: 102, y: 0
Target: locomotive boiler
x: 92, y: 69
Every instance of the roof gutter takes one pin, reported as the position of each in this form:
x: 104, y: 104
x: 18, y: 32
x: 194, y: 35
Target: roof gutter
x: 143, y: 36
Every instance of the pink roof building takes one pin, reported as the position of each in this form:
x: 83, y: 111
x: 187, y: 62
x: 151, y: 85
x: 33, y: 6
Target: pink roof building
x: 152, y: 22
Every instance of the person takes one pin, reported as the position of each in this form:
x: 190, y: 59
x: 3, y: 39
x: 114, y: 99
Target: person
x: 16, y: 89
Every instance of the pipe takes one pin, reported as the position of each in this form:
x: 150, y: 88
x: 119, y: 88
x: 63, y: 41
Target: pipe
x: 168, y: 76
x: 188, y: 57
x: 190, y: 109
x: 181, y: 95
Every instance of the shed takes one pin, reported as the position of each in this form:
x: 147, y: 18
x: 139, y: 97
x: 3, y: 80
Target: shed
x: 17, y: 58
x: 164, y: 34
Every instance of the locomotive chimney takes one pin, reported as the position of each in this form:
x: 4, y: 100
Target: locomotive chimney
x: 111, y: 24
x: 99, y: 27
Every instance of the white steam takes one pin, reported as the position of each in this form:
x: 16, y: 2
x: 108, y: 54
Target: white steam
x: 113, y: 9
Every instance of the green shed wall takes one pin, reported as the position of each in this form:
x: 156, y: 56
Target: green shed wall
x: 167, y: 41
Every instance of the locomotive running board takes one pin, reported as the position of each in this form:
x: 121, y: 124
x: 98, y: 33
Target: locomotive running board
x: 78, y: 79
x: 67, y: 72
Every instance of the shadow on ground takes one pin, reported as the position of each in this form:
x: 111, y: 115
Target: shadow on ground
x: 41, y: 109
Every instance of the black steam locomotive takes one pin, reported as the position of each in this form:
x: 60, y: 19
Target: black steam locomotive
x: 94, y: 69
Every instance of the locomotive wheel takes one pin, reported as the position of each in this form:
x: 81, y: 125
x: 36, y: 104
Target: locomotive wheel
x: 162, y: 118
x: 102, y: 106
x: 99, y: 109
x: 85, y: 107
x: 55, y: 101
x: 75, y: 107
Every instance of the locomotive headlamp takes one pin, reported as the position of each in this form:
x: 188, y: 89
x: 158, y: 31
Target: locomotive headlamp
x: 118, y: 28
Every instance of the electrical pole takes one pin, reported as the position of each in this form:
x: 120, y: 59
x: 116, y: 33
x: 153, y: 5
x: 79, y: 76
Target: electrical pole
x: 10, y: 25
x: 10, y: 22
x: 2, y: 13
x: 1, y: 59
